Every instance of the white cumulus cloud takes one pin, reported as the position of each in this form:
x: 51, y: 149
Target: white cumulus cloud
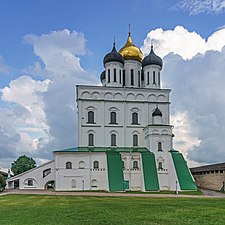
x: 182, y: 42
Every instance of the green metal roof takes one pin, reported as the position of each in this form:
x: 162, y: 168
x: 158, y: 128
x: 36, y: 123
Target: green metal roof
x: 184, y: 176
x: 102, y: 149
x: 149, y: 171
x: 115, y: 171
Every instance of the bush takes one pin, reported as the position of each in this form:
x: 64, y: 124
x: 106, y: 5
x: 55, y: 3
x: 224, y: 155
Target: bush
x: 2, y: 183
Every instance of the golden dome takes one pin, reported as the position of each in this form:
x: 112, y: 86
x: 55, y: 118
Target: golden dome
x: 130, y: 51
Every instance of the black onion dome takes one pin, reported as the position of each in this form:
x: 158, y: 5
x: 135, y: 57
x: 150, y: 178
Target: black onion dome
x: 102, y: 76
x: 157, y: 112
x: 152, y: 59
x: 113, y: 56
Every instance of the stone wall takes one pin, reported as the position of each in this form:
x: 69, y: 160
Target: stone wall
x: 210, y: 179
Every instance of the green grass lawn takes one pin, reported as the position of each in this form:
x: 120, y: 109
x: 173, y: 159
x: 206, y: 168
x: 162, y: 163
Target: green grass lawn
x: 66, y: 210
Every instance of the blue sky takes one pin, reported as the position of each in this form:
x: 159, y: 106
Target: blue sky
x: 49, y: 46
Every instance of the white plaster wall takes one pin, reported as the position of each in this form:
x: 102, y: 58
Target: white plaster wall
x: 82, y: 176
x: 36, y: 175
x: 150, y: 69
x: 134, y: 176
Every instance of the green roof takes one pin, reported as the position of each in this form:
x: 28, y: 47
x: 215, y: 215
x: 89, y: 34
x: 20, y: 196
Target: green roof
x: 184, y: 176
x: 103, y: 149
x: 149, y: 171
x: 115, y: 171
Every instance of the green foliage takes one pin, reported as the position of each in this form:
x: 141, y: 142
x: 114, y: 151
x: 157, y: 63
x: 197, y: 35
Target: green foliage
x: 82, y: 210
x: 22, y: 164
x: 2, y: 182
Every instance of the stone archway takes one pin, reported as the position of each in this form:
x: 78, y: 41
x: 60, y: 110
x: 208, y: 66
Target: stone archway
x: 50, y: 185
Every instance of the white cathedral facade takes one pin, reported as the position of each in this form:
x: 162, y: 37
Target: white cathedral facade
x: 125, y: 140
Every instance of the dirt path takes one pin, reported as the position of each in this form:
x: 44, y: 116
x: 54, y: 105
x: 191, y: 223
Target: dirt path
x: 43, y: 192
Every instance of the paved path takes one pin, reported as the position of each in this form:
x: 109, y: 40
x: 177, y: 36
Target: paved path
x: 208, y: 194
x: 212, y: 193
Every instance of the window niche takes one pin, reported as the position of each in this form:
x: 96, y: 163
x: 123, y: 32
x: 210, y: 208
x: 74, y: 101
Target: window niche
x: 91, y: 117
x: 160, y: 146
x: 113, y: 139
x: 135, y: 165
x: 96, y: 164
x: 68, y: 165
x: 90, y: 139
x: 113, y: 118
x: 135, y: 140
x: 135, y: 118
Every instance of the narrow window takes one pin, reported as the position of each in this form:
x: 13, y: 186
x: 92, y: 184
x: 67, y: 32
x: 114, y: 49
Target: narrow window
x: 90, y: 139
x: 68, y: 165
x: 124, y: 80
x: 160, y: 166
x: 153, y: 77
x: 135, y: 140
x: 113, y: 140
x: 91, y: 116
x: 108, y: 75
x: 114, y: 74
x: 135, y: 164
x: 131, y: 77
x: 159, y: 146
x: 120, y: 77
x: 113, y: 117
x: 147, y: 77
x: 123, y: 165
x: 135, y: 118
x: 159, y: 78
x: 96, y: 164
x: 139, y: 79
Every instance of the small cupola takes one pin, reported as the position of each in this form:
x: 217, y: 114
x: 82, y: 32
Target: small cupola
x: 157, y: 116
x: 113, y: 56
x: 152, y: 59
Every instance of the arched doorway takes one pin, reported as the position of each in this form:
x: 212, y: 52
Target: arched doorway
x: 50, y: 185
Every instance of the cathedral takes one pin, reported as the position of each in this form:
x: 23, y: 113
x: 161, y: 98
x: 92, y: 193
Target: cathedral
x: 125, y: 139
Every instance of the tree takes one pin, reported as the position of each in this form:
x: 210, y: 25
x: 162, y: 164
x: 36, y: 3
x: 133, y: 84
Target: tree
x: 2, y: 182
x: 22, y: 164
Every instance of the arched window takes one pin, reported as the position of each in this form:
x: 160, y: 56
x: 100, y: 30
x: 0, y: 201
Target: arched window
x: 113, y: 140
x: 159, y: 78
x: 120, y: 77
x: 108, y: 75
x: 90, y: 139
x: 114, y: 74
x: 135, y: 140
x: 135, y: 118
x: 113, y: 117
x: 68, y: 165
x: 160, y: 166
x: 135, y: 164
x: 81, y: 165
x: 73, y: 183
x: 139, y: 79
x: 91, y: 117
x: 159, y: 146
x: 147, y: 77
x: 96, y: 164
x: 131, y: 77
x: 153, y: 77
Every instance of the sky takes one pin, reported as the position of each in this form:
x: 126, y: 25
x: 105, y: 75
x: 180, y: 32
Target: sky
x: 47, y: 47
